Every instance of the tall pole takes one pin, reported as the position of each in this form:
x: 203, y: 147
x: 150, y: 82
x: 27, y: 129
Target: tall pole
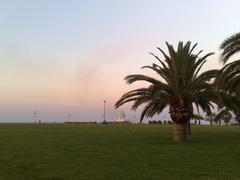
x: 69, y: 117
x: 35, y: 116
x: 104, y: 109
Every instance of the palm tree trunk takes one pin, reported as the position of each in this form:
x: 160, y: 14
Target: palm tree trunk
x: 179, y: 132
x: 188, y: 129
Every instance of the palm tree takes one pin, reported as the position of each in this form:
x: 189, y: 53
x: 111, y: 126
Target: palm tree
x: 197, y: 117
x: 228, y: 84
x: 227, y: 117
x: 223, y: 114
x: 179, y: 86
x: 229, y: 76
x: 237, y: 117
x: 210, y: 117
x: 228, y: 80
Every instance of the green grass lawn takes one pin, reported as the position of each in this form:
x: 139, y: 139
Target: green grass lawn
x: 117, y: 152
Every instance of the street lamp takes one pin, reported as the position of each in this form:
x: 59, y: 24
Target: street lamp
x: 69, y: 117
x: 35, y: 116
x: 104, y: 111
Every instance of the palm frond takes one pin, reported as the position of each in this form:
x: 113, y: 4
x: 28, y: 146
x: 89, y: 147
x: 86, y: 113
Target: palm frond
x: 230, y: 47
x: 179, y: 85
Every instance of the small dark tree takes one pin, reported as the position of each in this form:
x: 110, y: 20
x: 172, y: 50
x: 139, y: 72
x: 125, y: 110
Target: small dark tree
x: 210, y: 118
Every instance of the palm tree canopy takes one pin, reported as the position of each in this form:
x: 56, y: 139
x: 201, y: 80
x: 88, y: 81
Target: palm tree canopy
x: 179, y: 84
x: 228, y: 85
x: 228, y: 78
x: 230, y: 46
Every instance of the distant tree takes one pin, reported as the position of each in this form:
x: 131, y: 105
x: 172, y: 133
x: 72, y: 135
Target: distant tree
x: 237, y: 117
x: 197, y: 117
x: 225, y: 115
x: 227, y: 118
x: 210, y: 118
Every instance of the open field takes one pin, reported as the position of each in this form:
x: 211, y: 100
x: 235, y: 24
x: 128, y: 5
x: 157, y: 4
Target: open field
x: 117, y: 152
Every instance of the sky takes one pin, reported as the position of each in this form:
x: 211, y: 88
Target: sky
x: 68, y: 56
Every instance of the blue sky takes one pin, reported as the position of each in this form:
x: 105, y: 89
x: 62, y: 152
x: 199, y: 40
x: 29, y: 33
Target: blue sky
x: 68, y: 56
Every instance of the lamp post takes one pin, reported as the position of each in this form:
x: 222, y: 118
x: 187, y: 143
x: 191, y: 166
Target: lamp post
x: 69, y: 117
x: 35, y: 116
x: 104, y: 113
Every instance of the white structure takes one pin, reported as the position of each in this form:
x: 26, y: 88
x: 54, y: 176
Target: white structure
x: 120, y: 117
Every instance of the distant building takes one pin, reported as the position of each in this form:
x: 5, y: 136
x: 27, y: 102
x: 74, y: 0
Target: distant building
x: 120, y: 117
